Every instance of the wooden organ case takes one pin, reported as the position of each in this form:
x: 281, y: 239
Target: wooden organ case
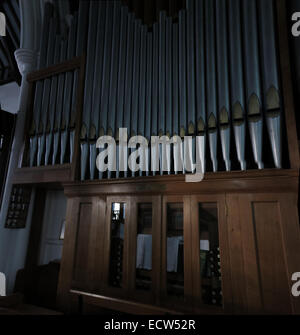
x: 151, y: 242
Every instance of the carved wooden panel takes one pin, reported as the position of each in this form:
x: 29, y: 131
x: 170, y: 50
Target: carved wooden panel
x: 89, y: 243
x: 264, y: 249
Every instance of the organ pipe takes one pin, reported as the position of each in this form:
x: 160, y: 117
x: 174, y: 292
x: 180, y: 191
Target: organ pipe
x: 213, y: 70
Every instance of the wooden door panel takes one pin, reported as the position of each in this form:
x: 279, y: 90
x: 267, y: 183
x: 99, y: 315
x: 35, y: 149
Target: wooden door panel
x: 89, y: 245
x: 270, y: 253
x: 291, y: 239
x: 235, y: 249
x: 108, y: 288
x: 151, y: 295
x: 81, y: 266
x: 67, y: 261
x: 216, y: 202
x: 183, y: 204
x: 82, y: 242
x: 269, y: 237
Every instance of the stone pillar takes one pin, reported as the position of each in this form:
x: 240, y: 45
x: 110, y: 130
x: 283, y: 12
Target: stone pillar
x: 13, y: 243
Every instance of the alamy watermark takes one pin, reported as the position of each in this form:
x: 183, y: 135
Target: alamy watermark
x: 2, y: 285
x: 134, y: 155
x: 2, y: 24
x: 296, y: 286
x: 296, y: 25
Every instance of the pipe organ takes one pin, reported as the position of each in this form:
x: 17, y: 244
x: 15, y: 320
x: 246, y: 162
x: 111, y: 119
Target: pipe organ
x: 123, y: 112
x: 54, y: 112
x: 205, y: 82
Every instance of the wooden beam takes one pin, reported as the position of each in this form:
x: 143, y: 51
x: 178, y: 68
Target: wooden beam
x: 287, y: 85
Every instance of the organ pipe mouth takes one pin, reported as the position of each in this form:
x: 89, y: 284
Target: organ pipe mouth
x: 254, y: 109
x: 201, y: 126
x: 255, y: 117
x: 83, y: 132
x: 273, y: 113
x: 56, y: 126
x: 191, y: 129
x: 182, y: 132
x: 63, y: 124
x: 224, y: 118
x: 238, y: 114
x: 110, y: 132
x: 212, y: 123
x: 238, y: 122
x: 41, y: 127
x: 48, y: 127
x: 176, y: 138
x: 32, y: 129
x: 224, y: 126
x: 72, y: 121
x: 273, y: 99
x: 101, y: 132
x: 92, y: 132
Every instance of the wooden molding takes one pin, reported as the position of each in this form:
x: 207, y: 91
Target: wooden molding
x: 222, y: 182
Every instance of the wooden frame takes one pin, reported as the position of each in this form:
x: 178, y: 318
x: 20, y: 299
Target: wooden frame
x: 107, y: 247
x: 213, y: 183
x: 235, y: 231
x: 154, y: 295
x: 66, y: 173
x: 287, y: 87
x: 281, y: 224
x: 93, y: 278
x: 233, y: 192
x: 188, y: 293
x: 8, y: 123
x: 220, y: 202
x: 52, y: 173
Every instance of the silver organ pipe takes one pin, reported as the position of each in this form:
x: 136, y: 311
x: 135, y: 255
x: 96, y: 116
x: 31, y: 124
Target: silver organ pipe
x: 80, y: 49
x: 177, y: 83
x: 191, y: 103
x: 113, y: 81
x: 175, y: 100
x: 105, y: 86
x: 59, y: 102
x: 211, y: 86
x: 87, y: 132
x: 35, y: 127
x: 128, y: 86
x: 46, y: 92
x: 200, y: 83
x: 182, y: 81
x: 237, y: 80
x: 162, y: 90
x: 169, y: 112
x: 135, y: 90
x: 97, y: 87
x: 142, y: 99
x: 52, y: 105
x: 65, y: 124
x: 253, y: 80
x: 148, y: 116
x: 223, y: 81
x: 271, y: 88
x: 121, y: 155
x: 154, y: 130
